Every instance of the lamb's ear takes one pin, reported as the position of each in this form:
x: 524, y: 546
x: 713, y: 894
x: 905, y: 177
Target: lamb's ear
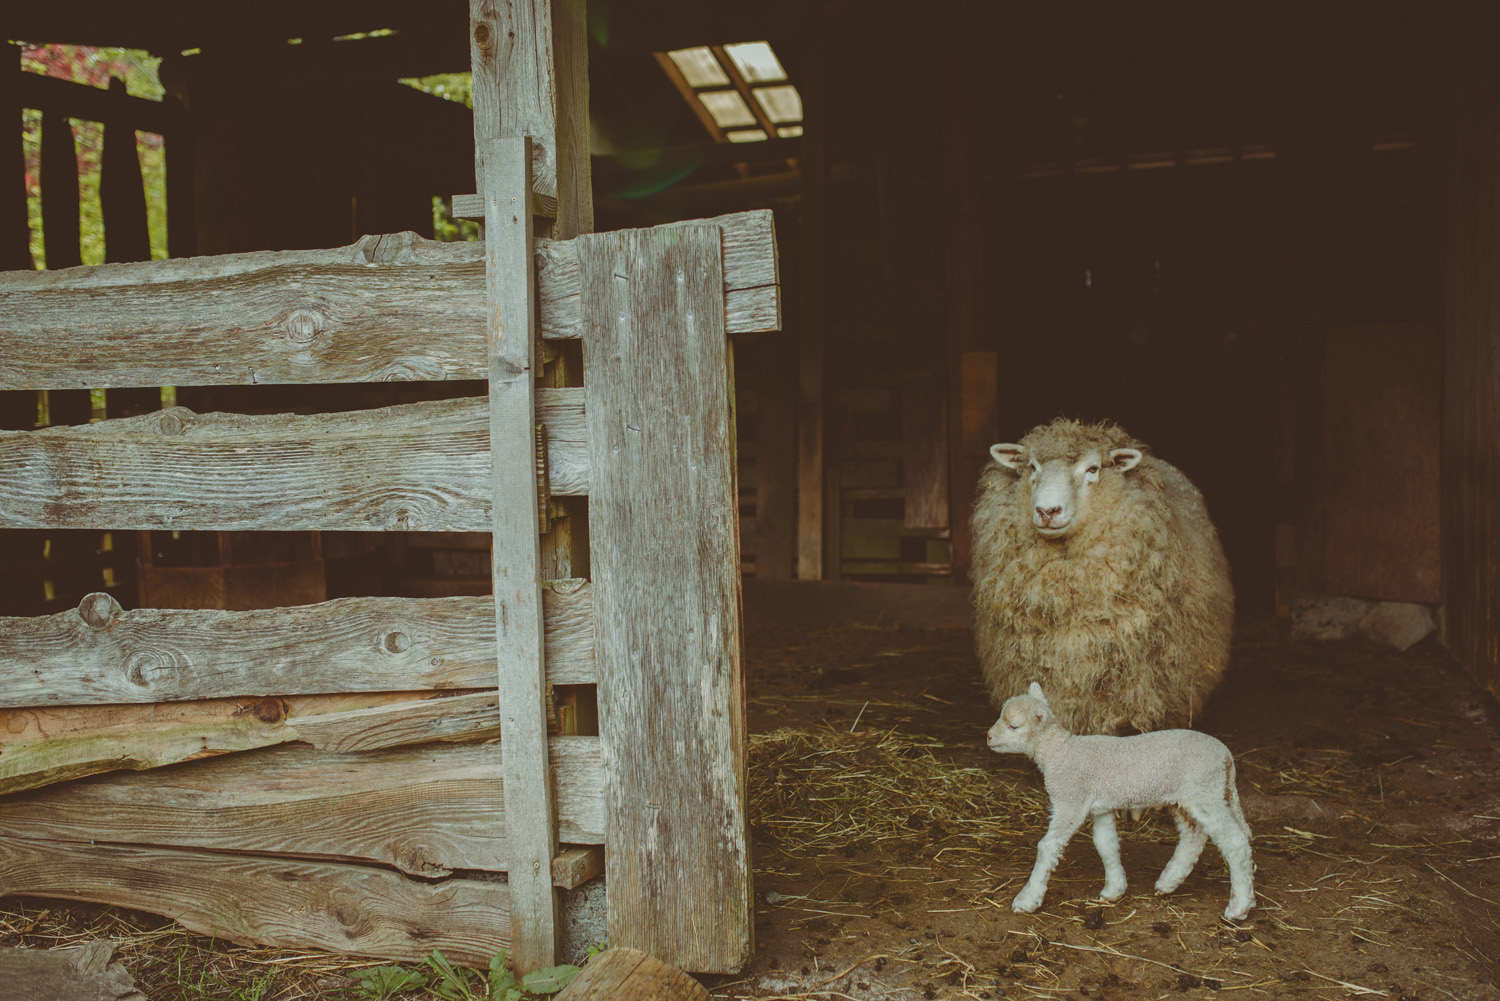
x: 1125, y: 459
x: 1009, y: 455
x: 1035, y: 691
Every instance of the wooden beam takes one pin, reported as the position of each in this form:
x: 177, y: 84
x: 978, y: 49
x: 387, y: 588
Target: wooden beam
x: 815, y: 508
x: 80, y: 973
x: 424, y: 810
x: 387, y: 308
x: 15, y: 230
x: 97, y: 654
x: 531, y: 829
x: 60, y: 195
x: 575, y: 866
x: 122, y: 191
x: 414, y: 467
x: 336, y: 908
x: 665, y: 558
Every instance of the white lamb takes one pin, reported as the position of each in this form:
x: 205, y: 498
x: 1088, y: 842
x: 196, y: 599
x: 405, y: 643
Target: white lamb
x: 1093, y: 776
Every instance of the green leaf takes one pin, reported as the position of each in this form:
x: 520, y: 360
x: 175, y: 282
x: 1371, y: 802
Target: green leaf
x: 549, y: 981
x: 383, y: 981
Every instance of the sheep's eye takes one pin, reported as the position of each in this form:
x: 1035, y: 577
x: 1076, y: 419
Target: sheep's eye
x: 1092, y: 469
x: 1013, y: 726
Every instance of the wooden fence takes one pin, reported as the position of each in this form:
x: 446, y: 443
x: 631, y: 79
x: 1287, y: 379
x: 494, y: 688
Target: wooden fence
x: 335, y: 780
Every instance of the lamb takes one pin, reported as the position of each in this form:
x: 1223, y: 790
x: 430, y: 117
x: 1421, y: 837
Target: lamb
x: 1093, y: 776
x: 1096, y: 569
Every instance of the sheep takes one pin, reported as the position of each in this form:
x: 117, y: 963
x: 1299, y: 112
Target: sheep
x: 1093, y: 776
x: 1096, y: 569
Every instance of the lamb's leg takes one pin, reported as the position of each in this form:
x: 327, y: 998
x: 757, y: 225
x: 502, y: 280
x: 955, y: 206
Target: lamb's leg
x: 1064, y: 824
x: 1107, y: 844
x: 1190, y: 841
x: 1231, y: 835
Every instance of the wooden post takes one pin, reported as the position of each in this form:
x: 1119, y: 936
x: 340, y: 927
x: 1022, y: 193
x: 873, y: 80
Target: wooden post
x: 59, y: 173
x: 122, y: 192
x: 665, y: 557
x: 15, y: 231
x: 530, y: 815
x: 814, y: 507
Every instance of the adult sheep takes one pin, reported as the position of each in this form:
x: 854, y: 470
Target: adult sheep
x: 1098, y: 573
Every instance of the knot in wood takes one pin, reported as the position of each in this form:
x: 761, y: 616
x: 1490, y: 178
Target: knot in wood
x: 304, y: 325
x: 269, y: 710
x: 397, y: 642
x: 171, y: 425
x: 99, y: 609
x: 482, y: 35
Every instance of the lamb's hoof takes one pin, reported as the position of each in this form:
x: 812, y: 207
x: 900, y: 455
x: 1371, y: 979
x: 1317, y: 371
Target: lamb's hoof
x: 1112, y: 893
x: 1166, y: 886
x: 1026, y: 902
x: 1236, y: 913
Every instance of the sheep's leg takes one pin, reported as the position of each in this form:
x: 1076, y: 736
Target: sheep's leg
x: 1231, y: 835
x: 1060, y: 831
x: 1190, y: 841
x: 1107, y: 844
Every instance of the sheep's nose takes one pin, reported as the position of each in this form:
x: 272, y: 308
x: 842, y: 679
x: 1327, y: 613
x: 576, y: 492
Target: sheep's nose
x: 1048, y: 513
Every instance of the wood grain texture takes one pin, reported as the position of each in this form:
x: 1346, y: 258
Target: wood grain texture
x: 1471, y: 399
x: 415, y: 467
x: 100, y: 655
x: 346, y: 909
x: 1382, y: 396
x: 469, y: 716
x: 82, y: 973
x: 924, y: 453
x: 531, y: 839
x: 622, y: 974
x: 665, y: 556
x: 393, y: 307
x: 575, y: 866
x: 424, y: 810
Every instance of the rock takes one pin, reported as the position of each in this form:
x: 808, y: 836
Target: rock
x: 1328, y: 617
x: 1398, y: 623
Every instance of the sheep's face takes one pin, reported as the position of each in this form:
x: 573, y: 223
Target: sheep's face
x: 1060, y: 486
x: 1021, y: 719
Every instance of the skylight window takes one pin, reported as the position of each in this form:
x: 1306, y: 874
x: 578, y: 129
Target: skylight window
x: 727, y: 88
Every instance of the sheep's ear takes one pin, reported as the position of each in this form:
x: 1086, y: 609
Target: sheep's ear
x: 1125, y: 459
x: 1009, y: 455
x: 1035, y: 691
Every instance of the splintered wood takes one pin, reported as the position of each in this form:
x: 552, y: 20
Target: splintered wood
x: 667, y: 594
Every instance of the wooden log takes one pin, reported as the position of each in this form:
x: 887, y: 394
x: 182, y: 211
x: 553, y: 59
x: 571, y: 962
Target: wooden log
x: 288, y: 904
x: 387, y: 308
x: 415, y: 467
x: 665, y: 557
x: 531, y: 828
x: 97, y: 654
x: 622, y: 974
x: 424, y: 810
x: 85, y: 973
x: 56, y: 744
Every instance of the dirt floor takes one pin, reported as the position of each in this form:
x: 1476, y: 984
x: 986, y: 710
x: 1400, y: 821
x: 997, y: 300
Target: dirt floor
x: 889, y: 840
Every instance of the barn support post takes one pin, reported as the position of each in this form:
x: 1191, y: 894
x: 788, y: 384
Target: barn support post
x: 665, y: 556
x: 1471, y: 397
x: 15, y: 231
x: 817, y: 505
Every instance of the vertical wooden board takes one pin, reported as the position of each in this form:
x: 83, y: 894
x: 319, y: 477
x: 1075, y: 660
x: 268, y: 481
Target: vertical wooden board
x: 15, y: 232
x: 815, y: 507
x: 1471, y: 397
x: 531, y: 825
x: 924, y: 451
x: 60, y: 198
x: 667, y: 590
x: 776, y: 462
x: 1382, y: 397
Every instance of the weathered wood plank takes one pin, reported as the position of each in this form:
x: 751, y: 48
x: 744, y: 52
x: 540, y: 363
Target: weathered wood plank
x: 619, y: 974
x: 665, y: 557
x: 84, y: 973
x: 575, y: 866
x: 424, y: 810
x: 924, y: 456
x: 470, y: 716
x: 292, y: 905
x: 532, y: 833
x: 96, y: 654
x: 40, y: 746
x: 393, y: 307
x: 415, y: 467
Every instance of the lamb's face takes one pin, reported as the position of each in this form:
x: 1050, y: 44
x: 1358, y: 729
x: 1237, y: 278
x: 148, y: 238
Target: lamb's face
x: 1015, y: 731
x: 1060, y: 486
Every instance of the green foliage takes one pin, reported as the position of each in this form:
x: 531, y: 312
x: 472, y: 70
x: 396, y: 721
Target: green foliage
x: 449, y: 86
x: 456, y: 983
x: 381, y: 982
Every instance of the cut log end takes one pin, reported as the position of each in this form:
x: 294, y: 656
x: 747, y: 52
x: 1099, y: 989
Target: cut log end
x: 99, y: 609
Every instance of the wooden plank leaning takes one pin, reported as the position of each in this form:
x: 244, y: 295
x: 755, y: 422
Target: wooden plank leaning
x: 665, y: 558
x: 531, y: 823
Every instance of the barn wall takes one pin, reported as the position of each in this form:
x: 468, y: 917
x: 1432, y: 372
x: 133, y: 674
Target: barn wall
x: 1471, y: 406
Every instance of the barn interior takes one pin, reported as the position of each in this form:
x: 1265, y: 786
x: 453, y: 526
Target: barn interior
x: 1258, y: 237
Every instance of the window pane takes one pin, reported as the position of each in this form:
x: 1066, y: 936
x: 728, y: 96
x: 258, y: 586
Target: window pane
x: 755, y: 62
x: 789, y: 132
x: 747, y: 136
x: 699, y: 67
x: 727, y: 107
x: 781, y: 104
